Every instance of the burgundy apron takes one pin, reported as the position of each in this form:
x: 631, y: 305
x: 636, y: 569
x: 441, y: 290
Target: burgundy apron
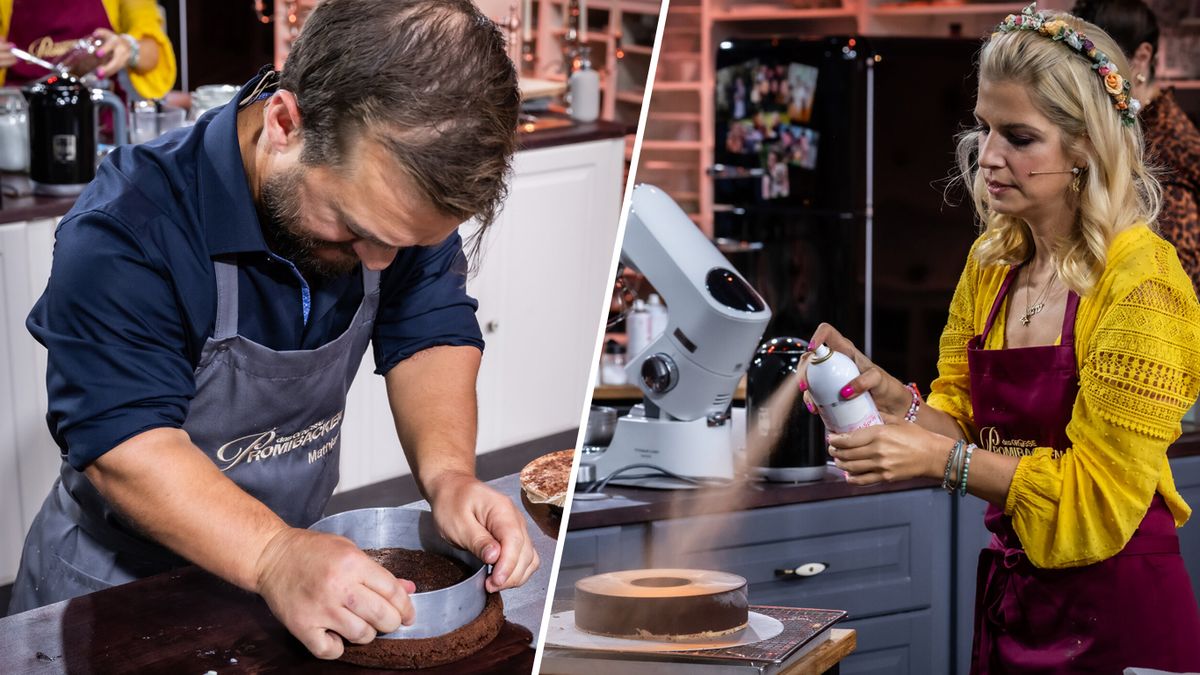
x: 45, y: 28
x: 1134, y: 609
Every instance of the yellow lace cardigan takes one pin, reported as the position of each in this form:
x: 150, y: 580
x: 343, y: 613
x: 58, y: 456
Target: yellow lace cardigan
x: 139, y: 18
x: 1137, y: 349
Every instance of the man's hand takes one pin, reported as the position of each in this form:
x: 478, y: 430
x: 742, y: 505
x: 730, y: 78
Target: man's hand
x: 322, y: 588
x: 481, y: 520
x: 314, y: 583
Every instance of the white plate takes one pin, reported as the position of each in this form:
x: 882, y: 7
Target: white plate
x: 563, y: 633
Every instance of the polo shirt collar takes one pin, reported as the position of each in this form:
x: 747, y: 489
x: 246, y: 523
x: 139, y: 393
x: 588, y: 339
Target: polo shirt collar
x: 225, y: 204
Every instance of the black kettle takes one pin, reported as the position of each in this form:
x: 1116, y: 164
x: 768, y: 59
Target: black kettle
x: 794, y: 439
x: 62, y: 132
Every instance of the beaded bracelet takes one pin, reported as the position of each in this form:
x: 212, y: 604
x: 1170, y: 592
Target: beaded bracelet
x: 951, y: 461
x: 966, y: 469
x: 135, y: 50
x: 911, y: 415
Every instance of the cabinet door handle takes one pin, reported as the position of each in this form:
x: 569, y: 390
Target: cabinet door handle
x: 811, y: 569
x: 491, y: 326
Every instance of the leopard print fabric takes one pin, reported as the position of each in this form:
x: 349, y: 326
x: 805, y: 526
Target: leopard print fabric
x: 1173, y: 144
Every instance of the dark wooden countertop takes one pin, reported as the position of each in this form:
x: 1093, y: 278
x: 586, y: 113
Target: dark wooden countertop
x: 20, y: 209
x: 188, y: 621
x: 627, y: 505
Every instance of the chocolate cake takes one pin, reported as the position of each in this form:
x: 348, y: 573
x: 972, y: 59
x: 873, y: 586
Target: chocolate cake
x: 429, y: 571
x: 662, y: 604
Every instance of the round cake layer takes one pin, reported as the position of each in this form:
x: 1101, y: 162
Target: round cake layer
x: 662, y: 604
x: 429, y: 572
x: 413, y: 653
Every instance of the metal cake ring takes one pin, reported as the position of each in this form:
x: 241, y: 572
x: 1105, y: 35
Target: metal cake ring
x: 437, y: 612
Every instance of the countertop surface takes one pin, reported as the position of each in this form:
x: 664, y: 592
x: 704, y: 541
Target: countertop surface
x: 190, y: 622
x: 557, y: 131
x: 627, y: 505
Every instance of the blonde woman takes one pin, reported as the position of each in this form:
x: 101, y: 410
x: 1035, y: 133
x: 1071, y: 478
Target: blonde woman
x: 1071, y: 352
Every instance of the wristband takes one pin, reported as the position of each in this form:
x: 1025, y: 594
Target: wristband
x: 135, y: 50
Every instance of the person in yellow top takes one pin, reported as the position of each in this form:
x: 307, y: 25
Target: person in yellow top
x: 131, y: 30
x: 1071, y: 353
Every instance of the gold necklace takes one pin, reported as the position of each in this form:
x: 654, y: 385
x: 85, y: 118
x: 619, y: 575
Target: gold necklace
x: 1039, y: 304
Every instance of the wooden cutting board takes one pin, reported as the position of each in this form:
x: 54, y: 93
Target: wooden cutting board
x: 190, y: 622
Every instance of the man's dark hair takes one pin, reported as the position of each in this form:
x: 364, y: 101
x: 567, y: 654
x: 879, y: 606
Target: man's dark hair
x: 1129, y: 22
x: 428, y: 79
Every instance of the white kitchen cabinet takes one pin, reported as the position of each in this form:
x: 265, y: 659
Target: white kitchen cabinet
x: 29, y: 458
x: 542, y: 283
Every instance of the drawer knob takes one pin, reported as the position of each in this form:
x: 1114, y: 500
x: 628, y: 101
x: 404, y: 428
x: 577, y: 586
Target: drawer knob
x: 811, y: 569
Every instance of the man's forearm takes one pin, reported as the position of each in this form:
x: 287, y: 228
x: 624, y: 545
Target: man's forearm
x: 432, y: 396
x: 167, y: 488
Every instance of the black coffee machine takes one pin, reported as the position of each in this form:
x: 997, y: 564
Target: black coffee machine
x: 62, y: 133
x: 797, y: 454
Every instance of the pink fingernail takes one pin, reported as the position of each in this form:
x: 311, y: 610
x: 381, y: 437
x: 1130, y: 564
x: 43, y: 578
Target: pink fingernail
x: 847, y: 391
x: 811, y: 409
x: 803, y: 385
x: 99, y: 72
x: 100, y: 53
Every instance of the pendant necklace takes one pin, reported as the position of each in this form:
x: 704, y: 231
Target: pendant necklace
x: 1039, y: 304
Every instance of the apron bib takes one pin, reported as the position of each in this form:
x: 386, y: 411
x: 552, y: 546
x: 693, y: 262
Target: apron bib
x: 1134, y: 609
x: 270, y: 420
x: 47, y: 29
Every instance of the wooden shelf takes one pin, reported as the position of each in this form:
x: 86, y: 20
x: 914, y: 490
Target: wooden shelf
x: 637, y: 49
x: 770, y: 14
x: 651, y: 144
x: 677, y: 86
x: 634, y: 97
x: 934, y: 9
x: 1180, y: 84
x: 676, y: 117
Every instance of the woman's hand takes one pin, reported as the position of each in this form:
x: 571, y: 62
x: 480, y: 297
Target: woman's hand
x: 6, y: 56
x: 115, y: 51
x: 893, y: 451
x: 890, y: 394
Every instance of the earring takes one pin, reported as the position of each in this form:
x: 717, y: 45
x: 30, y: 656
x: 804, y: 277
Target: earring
x: 1076, y: 183
x: 1141, y: 78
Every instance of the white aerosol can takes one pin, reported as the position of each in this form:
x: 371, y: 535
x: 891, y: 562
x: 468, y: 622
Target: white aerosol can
x: 828, y: 373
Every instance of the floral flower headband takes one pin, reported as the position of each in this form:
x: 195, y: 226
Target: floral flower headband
x: 1118, y: 88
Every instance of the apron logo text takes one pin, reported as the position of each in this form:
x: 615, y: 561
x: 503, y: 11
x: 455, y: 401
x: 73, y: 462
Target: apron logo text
x: 268, y: 444
x: 990, y: 440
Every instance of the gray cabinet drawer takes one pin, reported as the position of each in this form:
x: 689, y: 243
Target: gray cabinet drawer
x: 1187, y: 479
x: 588, y: 552
x: 885, y: 553
x: 897, y: 644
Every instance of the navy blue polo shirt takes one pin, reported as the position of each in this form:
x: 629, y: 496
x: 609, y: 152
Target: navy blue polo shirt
x: 132, y: 293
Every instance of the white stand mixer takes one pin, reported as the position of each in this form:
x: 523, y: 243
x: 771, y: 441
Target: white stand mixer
x: 688, y: 374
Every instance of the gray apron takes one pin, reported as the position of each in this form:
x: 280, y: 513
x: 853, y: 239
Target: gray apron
x: 270, y: 420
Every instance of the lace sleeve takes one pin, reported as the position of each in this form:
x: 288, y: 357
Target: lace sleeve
x: 1140, y: 375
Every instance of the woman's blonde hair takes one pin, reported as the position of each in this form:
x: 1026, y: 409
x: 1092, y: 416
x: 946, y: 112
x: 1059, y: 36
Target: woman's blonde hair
x: 1117, y: 191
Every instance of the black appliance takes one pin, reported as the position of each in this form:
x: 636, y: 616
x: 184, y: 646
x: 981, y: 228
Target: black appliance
x: 785, y: 442
x: 62, y: 133
x: 834, y: 154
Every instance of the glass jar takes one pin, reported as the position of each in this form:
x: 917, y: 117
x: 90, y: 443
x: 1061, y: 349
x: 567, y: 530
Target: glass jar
x: 14, y: 131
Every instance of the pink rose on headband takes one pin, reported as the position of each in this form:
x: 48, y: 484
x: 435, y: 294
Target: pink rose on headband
x: 1104, y: 70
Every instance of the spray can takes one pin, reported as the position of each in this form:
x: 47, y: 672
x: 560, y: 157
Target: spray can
x: 828, y: 373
